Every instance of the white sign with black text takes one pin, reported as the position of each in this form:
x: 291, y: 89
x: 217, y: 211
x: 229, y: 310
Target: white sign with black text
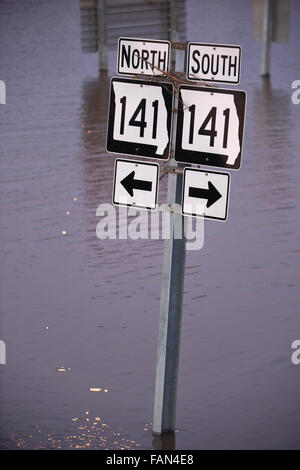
x: 214, y: 63
x: 140, y: 114
x: 205, y: 194
x: 136, y: 184
x: 143, y: 56
x: 210, y: 126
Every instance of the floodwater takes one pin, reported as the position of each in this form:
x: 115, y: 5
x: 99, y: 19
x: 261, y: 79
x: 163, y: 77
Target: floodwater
x: 78, y: 313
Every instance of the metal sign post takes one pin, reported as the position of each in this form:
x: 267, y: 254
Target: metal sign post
x: 271, y: 20
x: 170, y: 304
x: 207, y: 128
x: 266, y: 38
x: 101, y: 28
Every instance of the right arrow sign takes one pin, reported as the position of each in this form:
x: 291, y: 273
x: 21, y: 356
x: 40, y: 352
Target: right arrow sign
x: 205, y: 194
x: 211, y: 194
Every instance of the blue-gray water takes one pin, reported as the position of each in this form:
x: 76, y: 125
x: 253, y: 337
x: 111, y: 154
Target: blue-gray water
x: 92, y: 306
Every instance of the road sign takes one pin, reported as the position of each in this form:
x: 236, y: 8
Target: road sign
x: 139, y: 120
x: 205, y: 194
x: 210, y: 126
x: 143, y: 56
x: 208, y: 129
x: 136, y: 184
x: 214, y: 62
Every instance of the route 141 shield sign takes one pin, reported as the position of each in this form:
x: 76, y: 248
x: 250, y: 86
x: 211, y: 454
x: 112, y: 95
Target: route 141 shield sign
x: 140, y: 115
x: 210, y: 126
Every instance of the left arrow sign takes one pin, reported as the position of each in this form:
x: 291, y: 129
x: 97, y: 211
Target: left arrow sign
x: 129, y: 183
x: 136, y: 184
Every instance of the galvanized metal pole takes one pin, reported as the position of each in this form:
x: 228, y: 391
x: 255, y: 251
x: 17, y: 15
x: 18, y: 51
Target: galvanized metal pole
x: 101, y: 34
x: 170, y: 306
x: 266, y: 38
x: 2, y: 92
x: 173, y: 21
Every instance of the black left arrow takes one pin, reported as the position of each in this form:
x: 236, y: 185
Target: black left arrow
x: 129, y: 183
x: 211, y: 194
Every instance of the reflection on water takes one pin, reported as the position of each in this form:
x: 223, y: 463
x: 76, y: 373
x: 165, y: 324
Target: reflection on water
x: 166, y: 441
x: 87, y: 432
x: 79, y: 315
x: 276, y: 168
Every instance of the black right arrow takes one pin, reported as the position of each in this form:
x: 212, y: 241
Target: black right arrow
x: 211, y: 194
x: 129, y: 183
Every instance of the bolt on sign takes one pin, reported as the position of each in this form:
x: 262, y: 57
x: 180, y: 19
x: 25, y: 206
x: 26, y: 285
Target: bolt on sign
x: 143, y: 57
x: 210, y: 126
x: 140, y: 115
x: 214, y: 62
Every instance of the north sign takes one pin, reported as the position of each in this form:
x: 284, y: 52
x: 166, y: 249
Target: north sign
x: 143, y: 57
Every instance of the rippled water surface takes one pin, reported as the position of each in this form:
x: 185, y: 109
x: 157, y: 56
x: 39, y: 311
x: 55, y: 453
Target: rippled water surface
x: 78, y: 313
